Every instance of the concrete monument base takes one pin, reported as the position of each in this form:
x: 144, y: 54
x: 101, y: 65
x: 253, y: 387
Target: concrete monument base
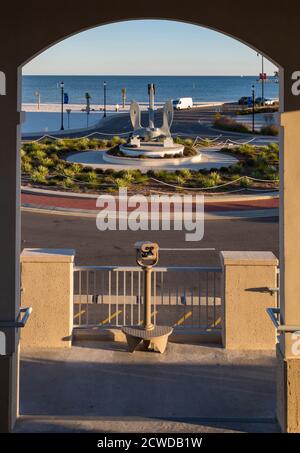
x: 156, y: 338
x: 152, y: 149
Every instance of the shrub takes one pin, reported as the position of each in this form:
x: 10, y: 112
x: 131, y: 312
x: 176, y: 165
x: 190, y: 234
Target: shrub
x: 67, y: 183
x: 180, y: 180
x: 186, y: 174
x: 47, y: 162
x: 91, y: 176
x: 33, y: 147
x: 26, y: 167
x: 179, y: 141
x: 52, y: 149
x: 273, y: 147
x: 247, y: 150
x: 38, y: 177
x: 189, y: 152
x: 216, y: 178
x: 246, y: 182
x: 54, y: 157
x: 69, y: 172
x: 188, y: 142
x: 38, y: 154
x: 206, y: 142
x: 270, y: 130
x: 228, y: 124
x: 83, y: 144
x: 116, y: 140
x: 42, y: 170
x: 121, y: 182
x: 26, y: 158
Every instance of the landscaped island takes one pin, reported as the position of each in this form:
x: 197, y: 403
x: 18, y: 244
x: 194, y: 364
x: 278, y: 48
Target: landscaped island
x: 44, y: 165
x: 227, y: 123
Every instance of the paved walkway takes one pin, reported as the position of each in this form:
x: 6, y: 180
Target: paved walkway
x: 100, y: 387
x: 211, y: 158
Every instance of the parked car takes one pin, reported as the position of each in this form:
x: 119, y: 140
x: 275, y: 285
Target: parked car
x: 245, y: 100
x: 182, y: 103
x: 260, y: 101
x: 271, y: 101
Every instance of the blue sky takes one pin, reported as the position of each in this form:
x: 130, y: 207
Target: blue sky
x: 148, y: 47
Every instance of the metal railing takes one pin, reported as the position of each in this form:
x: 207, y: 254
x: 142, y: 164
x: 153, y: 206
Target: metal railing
x: 112, y: 296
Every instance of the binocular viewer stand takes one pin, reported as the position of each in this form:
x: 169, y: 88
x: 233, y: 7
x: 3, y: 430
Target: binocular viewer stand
x: 153, y: 337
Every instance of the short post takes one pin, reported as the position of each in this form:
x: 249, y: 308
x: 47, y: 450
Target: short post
x: 68, y: 113
x: 47, y: 286
x: 249, y: 283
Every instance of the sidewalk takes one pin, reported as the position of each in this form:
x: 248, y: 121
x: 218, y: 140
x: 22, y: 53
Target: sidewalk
x: 101, y: 388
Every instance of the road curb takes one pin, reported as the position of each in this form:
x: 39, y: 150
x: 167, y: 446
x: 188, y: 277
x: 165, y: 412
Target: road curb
x: 208, y: 198
x: 216, y: 215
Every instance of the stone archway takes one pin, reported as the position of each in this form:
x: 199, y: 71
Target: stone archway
x: 29, y: 29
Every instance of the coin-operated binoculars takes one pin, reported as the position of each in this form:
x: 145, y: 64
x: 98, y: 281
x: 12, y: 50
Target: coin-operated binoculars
x: 151, y: 335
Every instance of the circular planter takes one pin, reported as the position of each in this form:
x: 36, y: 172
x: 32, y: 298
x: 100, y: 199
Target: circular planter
x: 151, y: 162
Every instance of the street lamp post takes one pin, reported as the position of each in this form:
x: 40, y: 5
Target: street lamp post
x: 104, y: 107
x: 253, y: 108
x: 88, y: 107
x: 62, y: 105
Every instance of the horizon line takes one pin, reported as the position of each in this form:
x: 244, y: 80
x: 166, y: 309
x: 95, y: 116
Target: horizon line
x: 144, y: 75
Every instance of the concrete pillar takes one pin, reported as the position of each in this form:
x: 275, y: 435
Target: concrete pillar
x: 288, y: 350
x: 47, y: 283
x: 245, y: 298
x: 9, y: 238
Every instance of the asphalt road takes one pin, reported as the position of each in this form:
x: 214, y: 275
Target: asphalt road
x: 187, y: 122
x: 116, y: 248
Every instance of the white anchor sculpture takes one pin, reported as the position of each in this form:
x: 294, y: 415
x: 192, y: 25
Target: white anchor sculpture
x: 151, y: 132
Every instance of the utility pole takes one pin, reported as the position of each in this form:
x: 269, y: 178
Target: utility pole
x: 253, y: 108
x: 263, y: 80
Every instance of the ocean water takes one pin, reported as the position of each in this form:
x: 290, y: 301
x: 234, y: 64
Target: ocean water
x: 200, y: 88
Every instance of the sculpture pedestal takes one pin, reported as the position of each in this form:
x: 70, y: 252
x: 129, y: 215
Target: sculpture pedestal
x: 152, y: 149
x: 158, y: 337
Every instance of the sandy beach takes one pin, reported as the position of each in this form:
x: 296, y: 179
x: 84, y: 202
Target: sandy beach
x: 98, y: 107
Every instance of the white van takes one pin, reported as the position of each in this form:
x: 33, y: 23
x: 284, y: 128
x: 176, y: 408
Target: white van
x: 182, y: 103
